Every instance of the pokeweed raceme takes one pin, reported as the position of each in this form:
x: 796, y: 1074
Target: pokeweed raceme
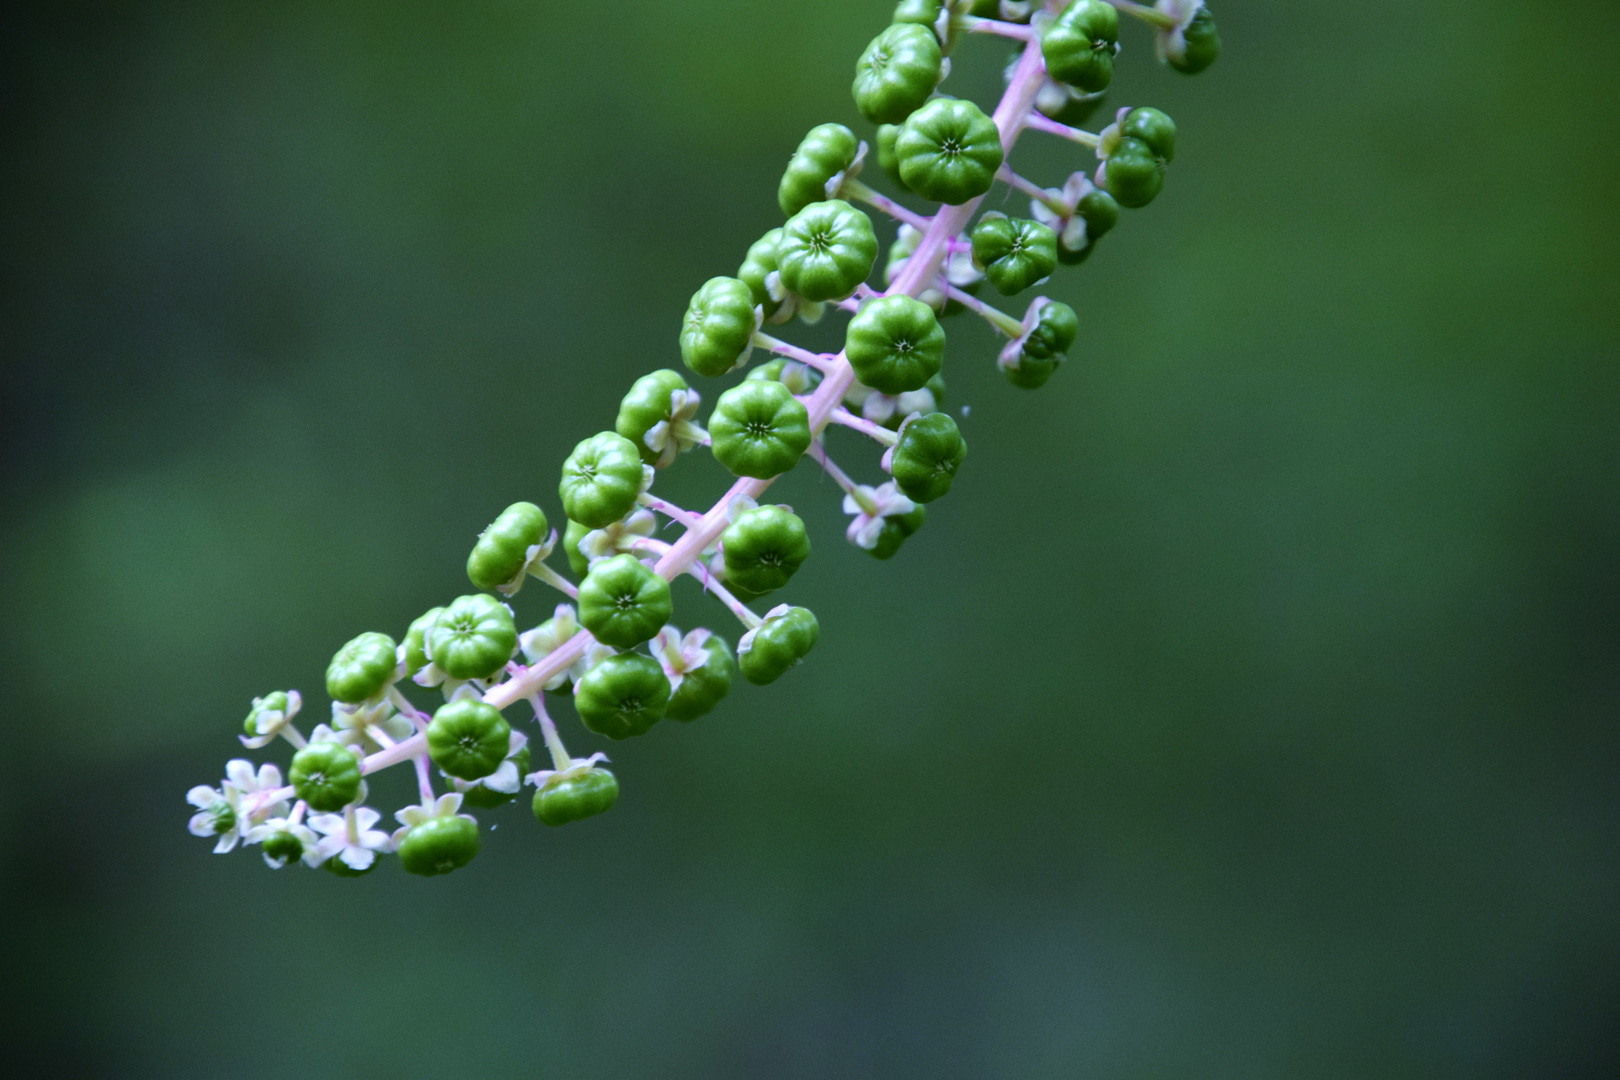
x: 612, y: 646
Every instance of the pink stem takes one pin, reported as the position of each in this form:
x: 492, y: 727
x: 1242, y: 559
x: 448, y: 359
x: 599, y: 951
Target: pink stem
x: 820, y: 362
x: 848, y: 419
x: 668, y: 509
x: 857, y: 190
x: 818, y: 453
x: 975, y: 25
x: 1038, y: 122
x: 424, y: 783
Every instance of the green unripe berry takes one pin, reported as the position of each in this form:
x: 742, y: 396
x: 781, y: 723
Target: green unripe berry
x: 1014, y: 253
x: 281, y: 848
x: 439, y: 845
x: 1100, y: 212
x: 468, y: 739
x: 764, y: 547
x: 949, y: 151
x: 921, y: 12
x: 1154, y: 128
x: 1133, y: 174
x: 896, y: 73
x: 1044, y: 347
x: 277, y: 702
x: 486, y: 798
x: 1029, y: 373
x: 221, y: 818
x: 622, y: 696
x: 570, y: 798
x: 759, y: 429
x: 895, y: 344
x: 826, y: 151
x: 326, y: 775
x: 502, y: 550
x: 647, y: 405
x: 719, y: 326
x: 888, y: 160
x: 777, y: 644
x: 472, y: 638
x: 600, y: 480
x: 927, y: 456
x: 416, y: 654
x: 336, y: 865
x: 1197, y: 46
x: 578, y: 561
x: 896, y: 530
x: 703, y: 688
x: 757, y: 265
x: 623, y: 603
x: 1054, y: 331
x: 361, y: 668
x: 1079, y: 46
x: 826, y: 250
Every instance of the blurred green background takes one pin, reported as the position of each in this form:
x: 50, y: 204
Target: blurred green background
x: 1248, y: 710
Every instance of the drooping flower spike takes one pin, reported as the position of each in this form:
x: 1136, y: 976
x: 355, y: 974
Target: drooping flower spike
x: 611, y: 647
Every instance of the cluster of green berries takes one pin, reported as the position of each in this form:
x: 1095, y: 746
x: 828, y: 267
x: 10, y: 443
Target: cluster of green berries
x: 612, y: 648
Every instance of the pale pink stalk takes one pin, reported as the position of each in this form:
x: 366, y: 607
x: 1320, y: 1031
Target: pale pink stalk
x: 848, y: 419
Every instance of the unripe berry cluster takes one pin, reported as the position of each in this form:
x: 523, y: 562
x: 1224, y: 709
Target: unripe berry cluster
x: 612, y: 647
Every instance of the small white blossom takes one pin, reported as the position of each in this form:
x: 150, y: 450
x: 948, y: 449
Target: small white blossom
x: 871, y: 506
x: 536, y: 553
x: 618, y: 537
x: 746, y: 642
x: 1172, y: 43
x: 349, y: 836
x: 1070, y: 227
x: 255, y: 789
x: 268, y: 723
x: 547, y: 638
x: 575, y: 767
x: 680, y: 655
x: 205, y: 821
x: 445, y: 805
x: 679, y: 432
x: 369, y: 727
x: 261, y: 832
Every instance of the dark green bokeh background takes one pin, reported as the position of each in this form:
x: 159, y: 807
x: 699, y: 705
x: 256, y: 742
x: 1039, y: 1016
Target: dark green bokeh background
x: 1247, y: 711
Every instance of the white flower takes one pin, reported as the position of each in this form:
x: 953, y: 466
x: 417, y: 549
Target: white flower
x: 361, y: 726
x: 445, y: 805
x: 268, y: 723
x: 1070, y: 227
x: 679, y: 432
x: 746, y: 642
x: 959, y: 268
x: 505, y: 778
x: 213, y: 804
x: 536, y: 553
x: 259, y: 833
x: 575, y: 767
x: 680, y: 655
x: 547, y: 638
x: 871, y: 506
x: 1172, y: 44
x: 256, y: 788
x: 349, y: 836
x: 618, y: 537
